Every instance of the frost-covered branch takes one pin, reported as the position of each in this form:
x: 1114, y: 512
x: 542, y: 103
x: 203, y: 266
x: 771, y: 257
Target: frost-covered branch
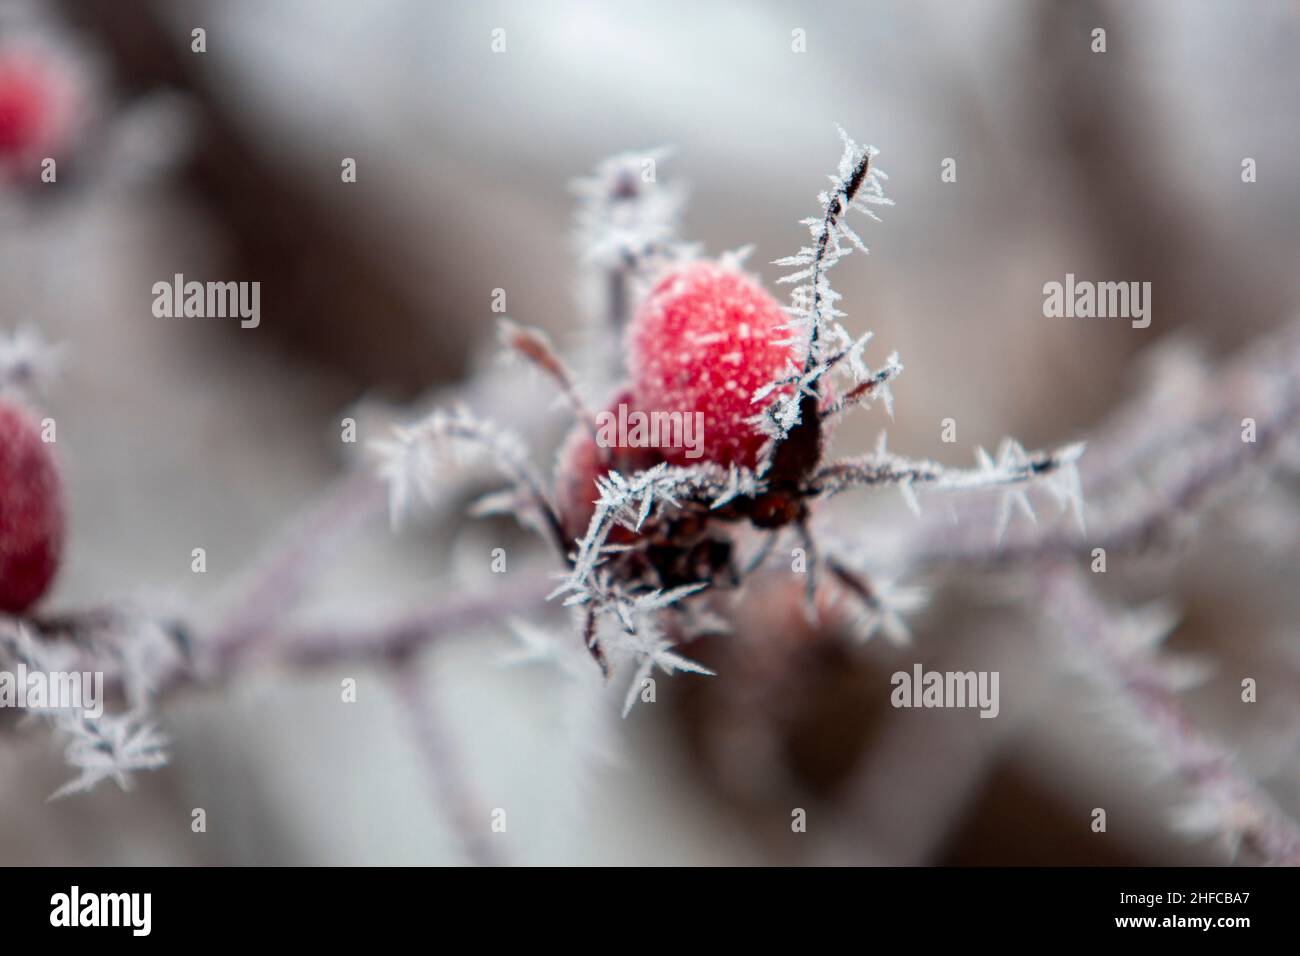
x: 311, y: 646
x: 1011, y: 471
x: 146, y: 657
x: 815, y: 320
x: 449, y: 612
x: 1162, y: 461
x: 1227, y: 802
x: 627, y: 226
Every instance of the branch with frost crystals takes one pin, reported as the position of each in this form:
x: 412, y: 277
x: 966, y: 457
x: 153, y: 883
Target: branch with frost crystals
x: 640, y: 638
x: 113, y: 746
x: 1013, y: 469
x: 116, y: 745
x: 99, y: 747
x: 629, y: 501
x: 1226, y: 801
x: 1154, y: 468
x: 144, y: 656
x: 626, y: 227
x: 625, y: 216
x: 857, y: 185
x: 136, y: 649
x: 315, y: 646
x: 412, y: 460
x: 779, y: 419
x: 450, y: 612
x: 640, y: 635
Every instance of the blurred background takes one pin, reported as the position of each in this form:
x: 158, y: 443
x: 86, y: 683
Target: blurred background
x: 1123, y: 165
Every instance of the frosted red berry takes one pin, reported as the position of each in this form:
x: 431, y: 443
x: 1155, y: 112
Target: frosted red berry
x: 704, y: 340
x: 31, y: 511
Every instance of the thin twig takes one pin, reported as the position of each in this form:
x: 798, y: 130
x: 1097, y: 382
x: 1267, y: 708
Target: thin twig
x: 281, y: 576
x: 443, y: 763
x: 836, y: 207
x: 444, y: 616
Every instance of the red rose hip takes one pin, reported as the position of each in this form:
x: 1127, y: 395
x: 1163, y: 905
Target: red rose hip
x: 704, y: 340
x: 31, y: 511
x: 581, y: 461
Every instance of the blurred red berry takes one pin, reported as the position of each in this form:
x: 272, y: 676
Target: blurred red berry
x: 704, y: 341
x: 581, y: 461
x: 35, y: 107
x: 31, y: 511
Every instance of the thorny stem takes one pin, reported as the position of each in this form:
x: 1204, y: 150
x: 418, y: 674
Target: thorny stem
x: 876, y: 469
x: 1210, y: 771
x: 403, y: 633
x: 1139, y: 528
x: 246, y: 639
x: 834, y: 209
